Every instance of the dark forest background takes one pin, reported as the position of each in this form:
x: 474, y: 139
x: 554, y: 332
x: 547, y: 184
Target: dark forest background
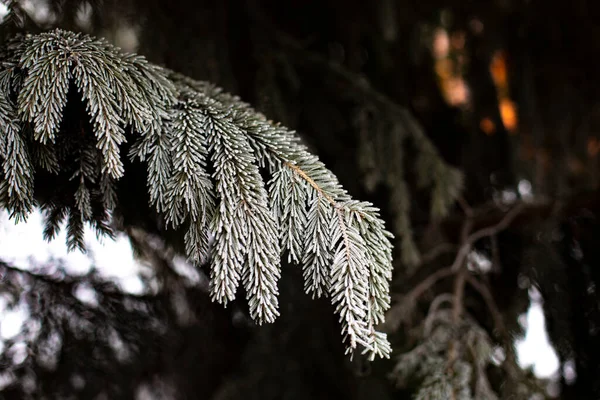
x: 508, y: 92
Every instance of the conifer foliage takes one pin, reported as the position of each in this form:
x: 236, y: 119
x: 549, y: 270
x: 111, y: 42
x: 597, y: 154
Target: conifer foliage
x: 216, y: 168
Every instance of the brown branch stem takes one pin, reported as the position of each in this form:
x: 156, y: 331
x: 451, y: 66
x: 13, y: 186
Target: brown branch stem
x: 428, y: 282
x: 311, y: 182
x: 467, y: 244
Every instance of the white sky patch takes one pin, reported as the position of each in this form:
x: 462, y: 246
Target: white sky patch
x: 478, y: 262
x: 86, y: 294
x: 23, y: 246
x: 534, y: 350
x: 569, y: 372
x: 525, y: 189
x: 18, y: 352
x: 3, y: 11
x: 12, y: 321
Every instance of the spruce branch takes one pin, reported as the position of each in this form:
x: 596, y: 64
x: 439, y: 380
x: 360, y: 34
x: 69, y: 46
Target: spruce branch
x: 204, y: 150
x: 317, y: 256
x: 242, y: 192
x: 118, y: 91
x: 335, y: 227
x: 16, y: 187
x: 287, y: 190
x: 189, y: 187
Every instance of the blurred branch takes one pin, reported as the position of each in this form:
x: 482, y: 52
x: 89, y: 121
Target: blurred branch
x: 459, y: 264
x: 467, y: 244
x: 540, y: 208
x: 464, y: 250
x: 66, y: 283
x: 458, y: 269
x: 490, y: 303
x: 427, y: 283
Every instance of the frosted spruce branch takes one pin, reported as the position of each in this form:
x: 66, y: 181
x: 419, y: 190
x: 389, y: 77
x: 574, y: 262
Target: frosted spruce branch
x: 215, y: 168
x: 328, y: 225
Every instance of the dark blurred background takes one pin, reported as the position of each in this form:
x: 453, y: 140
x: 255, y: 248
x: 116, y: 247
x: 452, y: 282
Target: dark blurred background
x: 508, y: 93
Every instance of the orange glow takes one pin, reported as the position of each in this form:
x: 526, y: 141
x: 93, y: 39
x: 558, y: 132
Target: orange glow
x: 487, y: 126
x: 449, y: 59
x: 441, y: 43
x: 498, y: 70
x: 455, y: 91
x: 508, y: 113
x: 443, y: 68
x: 506, y: 107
